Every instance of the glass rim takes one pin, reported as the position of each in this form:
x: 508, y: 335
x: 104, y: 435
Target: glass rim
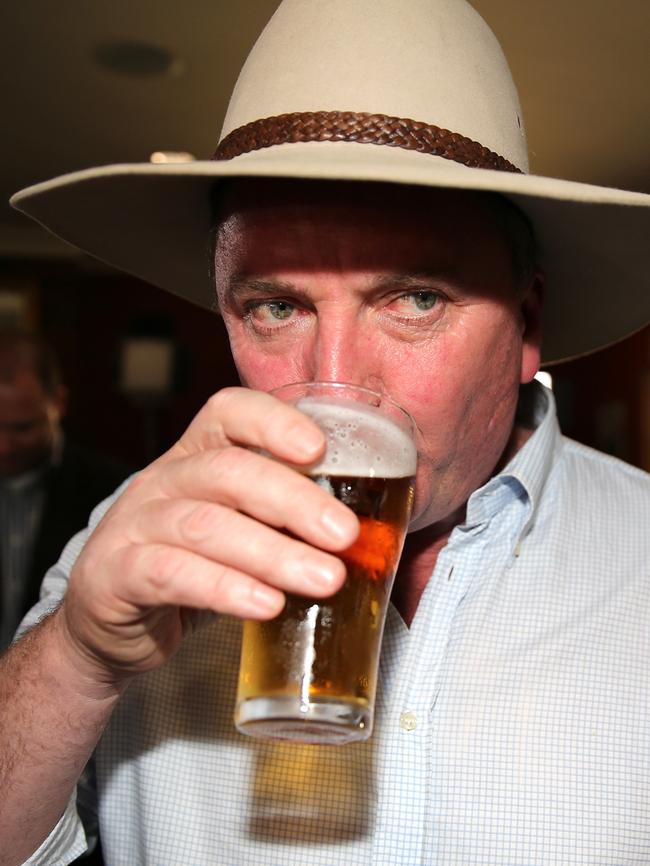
x: 379, y: 397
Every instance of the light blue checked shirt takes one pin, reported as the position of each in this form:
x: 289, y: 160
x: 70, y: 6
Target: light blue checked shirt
x: 513, y: 717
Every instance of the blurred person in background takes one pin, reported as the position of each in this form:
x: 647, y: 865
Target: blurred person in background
x: 48, y: 485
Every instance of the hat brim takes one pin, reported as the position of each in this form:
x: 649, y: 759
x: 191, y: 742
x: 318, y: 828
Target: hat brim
x: 154, y: 221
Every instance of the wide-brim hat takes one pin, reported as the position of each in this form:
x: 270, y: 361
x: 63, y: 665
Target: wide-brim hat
x: 415, y: 92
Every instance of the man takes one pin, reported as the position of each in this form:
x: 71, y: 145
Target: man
x: 510, y: 724
x: 48, y: 485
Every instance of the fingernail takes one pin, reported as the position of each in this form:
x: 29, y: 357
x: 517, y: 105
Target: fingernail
x: 338, y: 524
x: 305, y: 439
x: 264, y: 599
x: 319, y: 575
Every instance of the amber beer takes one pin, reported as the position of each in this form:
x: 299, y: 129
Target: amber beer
x: 311, y: 673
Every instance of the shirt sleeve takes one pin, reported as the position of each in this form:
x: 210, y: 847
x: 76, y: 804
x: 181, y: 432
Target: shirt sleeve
x: 66, y: 842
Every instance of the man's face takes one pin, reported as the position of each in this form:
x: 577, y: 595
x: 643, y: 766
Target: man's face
x: 407, y: 292
x: 28, y: 418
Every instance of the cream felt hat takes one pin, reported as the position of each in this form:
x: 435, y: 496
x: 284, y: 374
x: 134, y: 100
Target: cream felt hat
x: 414, y: 92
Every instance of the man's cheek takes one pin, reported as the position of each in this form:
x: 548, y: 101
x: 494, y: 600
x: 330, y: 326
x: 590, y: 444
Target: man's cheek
x: 265, y: 372
x: 434, y: 400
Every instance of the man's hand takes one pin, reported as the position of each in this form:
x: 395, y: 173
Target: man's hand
x: 205, y: 527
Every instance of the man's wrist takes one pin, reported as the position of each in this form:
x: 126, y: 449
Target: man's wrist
x: 78, y: 669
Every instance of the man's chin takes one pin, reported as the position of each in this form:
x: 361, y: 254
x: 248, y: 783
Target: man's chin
x: 436, y: 524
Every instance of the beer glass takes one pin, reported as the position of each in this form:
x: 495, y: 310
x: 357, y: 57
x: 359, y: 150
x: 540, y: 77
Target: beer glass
x: 310, y: 674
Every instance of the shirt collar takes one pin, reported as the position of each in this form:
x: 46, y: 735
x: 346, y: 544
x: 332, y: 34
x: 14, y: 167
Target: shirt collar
x: 525, y: 476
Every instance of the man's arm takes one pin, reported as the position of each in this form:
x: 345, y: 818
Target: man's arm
x: 202, y: 528
x: 52, y: 713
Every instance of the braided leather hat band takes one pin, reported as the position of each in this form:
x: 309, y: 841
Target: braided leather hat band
x: 362, y: 128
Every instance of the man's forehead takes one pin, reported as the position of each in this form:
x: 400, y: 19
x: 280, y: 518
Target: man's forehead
x: 363, y: 250
x: 285, y: 223
x: 271, y: 224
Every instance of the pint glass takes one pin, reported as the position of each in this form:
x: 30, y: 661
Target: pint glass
x: 310, y: 674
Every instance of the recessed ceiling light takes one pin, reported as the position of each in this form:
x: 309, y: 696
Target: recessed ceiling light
x: 137, y: 59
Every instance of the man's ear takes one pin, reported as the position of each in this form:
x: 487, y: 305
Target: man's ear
x: 532, y: 302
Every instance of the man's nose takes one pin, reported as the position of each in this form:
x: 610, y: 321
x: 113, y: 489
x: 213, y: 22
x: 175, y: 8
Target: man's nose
x: 344, y: 353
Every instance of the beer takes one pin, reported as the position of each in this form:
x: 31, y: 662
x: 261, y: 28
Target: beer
x: 310, y: 674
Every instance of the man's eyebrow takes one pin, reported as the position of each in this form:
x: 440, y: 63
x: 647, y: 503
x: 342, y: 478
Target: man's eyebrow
x: 421, y: 279
x: 243, y: 286
x: 256, y: 286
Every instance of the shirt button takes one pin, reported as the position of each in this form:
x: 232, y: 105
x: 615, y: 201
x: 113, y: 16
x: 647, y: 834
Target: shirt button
x: 408, y: 721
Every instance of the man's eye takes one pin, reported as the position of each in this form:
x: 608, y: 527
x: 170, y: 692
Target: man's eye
x: 421, y: 301
x: 424, y: 300
x: 272, y: 310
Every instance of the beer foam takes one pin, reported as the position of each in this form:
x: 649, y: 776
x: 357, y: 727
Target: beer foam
x: 361, y: 440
